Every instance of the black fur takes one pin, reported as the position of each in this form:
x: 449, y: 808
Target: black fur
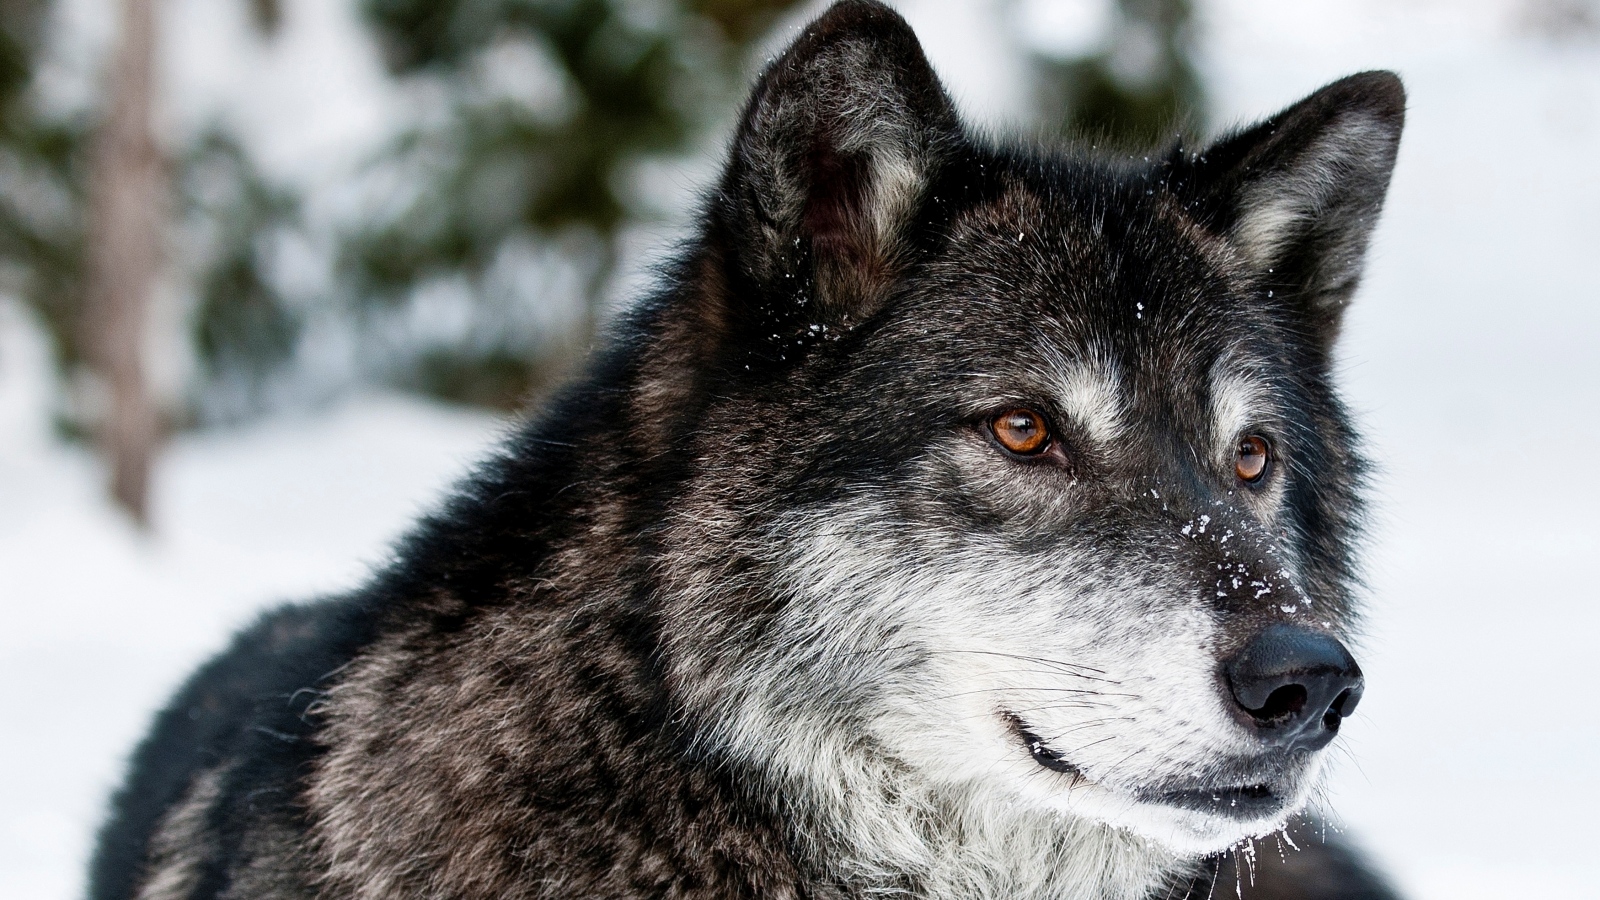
x: 528, y: 703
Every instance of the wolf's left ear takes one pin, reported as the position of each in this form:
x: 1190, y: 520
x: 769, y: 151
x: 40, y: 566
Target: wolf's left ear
x: 1299, y: 194
x: 833, y: 156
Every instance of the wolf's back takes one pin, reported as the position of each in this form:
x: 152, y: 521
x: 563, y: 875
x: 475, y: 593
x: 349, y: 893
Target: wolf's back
x: 216, y: 764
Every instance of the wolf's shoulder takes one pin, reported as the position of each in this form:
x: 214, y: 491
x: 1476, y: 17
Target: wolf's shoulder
x: 241, y: 727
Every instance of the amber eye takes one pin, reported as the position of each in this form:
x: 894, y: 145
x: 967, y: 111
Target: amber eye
x: 1250, y: 460
x: 1022, y: 431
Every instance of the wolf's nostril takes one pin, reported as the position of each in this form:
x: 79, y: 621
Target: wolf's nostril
x: 1346, y: 702
x: 1294, y: 685
x: 1281, y: 703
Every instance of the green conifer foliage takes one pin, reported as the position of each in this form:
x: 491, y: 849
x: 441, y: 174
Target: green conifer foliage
x: 621, y: 81
x: 42, y: 190
x: 1141, y: 89
x: 244, y: 327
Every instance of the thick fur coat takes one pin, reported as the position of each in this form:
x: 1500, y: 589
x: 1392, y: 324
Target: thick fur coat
x: 770, y: 604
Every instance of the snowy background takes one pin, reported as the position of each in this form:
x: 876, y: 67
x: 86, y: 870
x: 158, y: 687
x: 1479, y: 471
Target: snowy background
x: 1471, y: 360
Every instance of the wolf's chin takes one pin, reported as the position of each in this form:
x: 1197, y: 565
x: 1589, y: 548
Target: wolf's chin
x: 1183, y: 832
x: 1197, y: 822
x: 1193, y: 833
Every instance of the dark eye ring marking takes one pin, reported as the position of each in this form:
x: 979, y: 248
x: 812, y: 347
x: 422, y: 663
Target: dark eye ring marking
x: 1252, y: 458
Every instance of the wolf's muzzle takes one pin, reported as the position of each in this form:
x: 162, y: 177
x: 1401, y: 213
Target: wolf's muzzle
x: 1294, y: 686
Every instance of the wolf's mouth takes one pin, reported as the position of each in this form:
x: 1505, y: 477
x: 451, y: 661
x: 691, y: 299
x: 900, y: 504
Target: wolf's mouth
x: 1246, y: 801
x: 1252, y: 801
x: 1042, y: 752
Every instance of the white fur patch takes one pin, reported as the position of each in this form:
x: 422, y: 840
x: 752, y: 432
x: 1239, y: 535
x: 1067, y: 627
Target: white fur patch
x: 897, y: 183
x: 1237, y: 403
x: 1091, y: 395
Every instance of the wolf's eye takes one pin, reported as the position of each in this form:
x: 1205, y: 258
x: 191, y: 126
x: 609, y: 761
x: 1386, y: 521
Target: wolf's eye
x: 1022, y: 431
x: 1250, y: 459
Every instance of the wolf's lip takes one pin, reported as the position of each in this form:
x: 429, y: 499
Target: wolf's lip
x: 1251, y: 801
x: 1042, y: 753
x: 1243, y: 801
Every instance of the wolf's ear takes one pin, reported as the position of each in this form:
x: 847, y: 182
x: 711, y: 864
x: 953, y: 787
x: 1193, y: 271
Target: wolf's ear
x: 1298, y: 194
x: 833, y: 157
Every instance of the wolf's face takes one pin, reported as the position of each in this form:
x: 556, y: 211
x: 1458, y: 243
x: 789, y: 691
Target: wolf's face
x: 1071, y: 474
x: 1023, y: 492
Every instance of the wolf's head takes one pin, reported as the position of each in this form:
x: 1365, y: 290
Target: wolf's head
x: 1017, y: 501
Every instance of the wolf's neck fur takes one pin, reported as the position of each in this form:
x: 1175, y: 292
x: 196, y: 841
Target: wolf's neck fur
x: 883, y: 830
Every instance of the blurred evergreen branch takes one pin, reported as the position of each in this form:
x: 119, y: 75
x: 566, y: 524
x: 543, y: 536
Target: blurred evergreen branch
x: 244, y: 326
x: 541, y: 110
x: 43, y: 185
x: 1139, y: 90
x: 549, y: 106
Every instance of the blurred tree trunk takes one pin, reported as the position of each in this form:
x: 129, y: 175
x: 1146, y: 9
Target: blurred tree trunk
x: 127, y: 207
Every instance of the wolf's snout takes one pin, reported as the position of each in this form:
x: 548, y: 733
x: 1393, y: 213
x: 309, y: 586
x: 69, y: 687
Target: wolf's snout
x: 1295, y: 685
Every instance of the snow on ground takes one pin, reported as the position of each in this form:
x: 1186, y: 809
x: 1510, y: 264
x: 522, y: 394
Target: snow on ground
x: 1470, y: 358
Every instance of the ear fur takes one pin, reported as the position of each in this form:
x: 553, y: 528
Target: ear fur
x: 1299, y: 194
x: 833, y: 156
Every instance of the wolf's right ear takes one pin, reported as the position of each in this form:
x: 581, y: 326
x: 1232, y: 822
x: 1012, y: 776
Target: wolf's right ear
x: 1298, y: 194
x: 833, y: 156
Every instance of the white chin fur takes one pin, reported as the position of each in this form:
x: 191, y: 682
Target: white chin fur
x: 1186, y: 832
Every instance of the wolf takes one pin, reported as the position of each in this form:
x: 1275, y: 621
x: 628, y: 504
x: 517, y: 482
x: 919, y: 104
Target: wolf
x: 957, y: 519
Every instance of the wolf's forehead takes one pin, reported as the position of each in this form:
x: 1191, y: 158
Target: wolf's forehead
x: 1091, y: 233
x: 1113, y: 314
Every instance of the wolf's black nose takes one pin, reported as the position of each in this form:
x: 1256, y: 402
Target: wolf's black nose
x: 1295, y: 685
